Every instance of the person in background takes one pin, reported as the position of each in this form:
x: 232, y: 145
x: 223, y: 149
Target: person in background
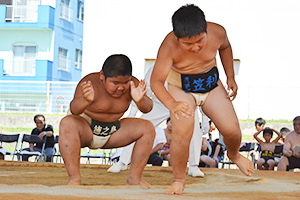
x: 267, y: 162
x: 291, y: 149
x: 283, y: 131
x: 42, y: 129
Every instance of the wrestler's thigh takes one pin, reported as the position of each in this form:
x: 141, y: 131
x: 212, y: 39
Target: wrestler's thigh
x: 76, y: 125
x: 131, y: 129
x: 220, y: 110
x: 179, y: 95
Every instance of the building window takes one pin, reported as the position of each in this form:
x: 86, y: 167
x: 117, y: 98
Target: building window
x: 24, y: 60
x: 80, y: 10
x: 66, y: 11
x: 78, y: 61
x: 63, y: 60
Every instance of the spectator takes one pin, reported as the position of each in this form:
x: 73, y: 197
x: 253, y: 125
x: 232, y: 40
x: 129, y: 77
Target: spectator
x: 283, y: 131
x: 291, y: 149
x: 160, y: 139
x: 165, y: 151
x: 267, y: 148
x: 205, y: 160
x: 42, y: 129
x: 259, y: 125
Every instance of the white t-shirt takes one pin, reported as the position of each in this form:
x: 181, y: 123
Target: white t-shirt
x: 160, y: 136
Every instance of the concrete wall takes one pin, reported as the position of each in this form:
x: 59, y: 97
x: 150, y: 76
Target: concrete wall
x: 26, y: 121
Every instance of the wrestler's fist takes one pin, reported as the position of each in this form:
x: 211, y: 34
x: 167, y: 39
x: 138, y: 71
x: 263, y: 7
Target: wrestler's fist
x: 232, y: 88
x: 137, y: 93
x: 182, y: 109
x: 87, y: 91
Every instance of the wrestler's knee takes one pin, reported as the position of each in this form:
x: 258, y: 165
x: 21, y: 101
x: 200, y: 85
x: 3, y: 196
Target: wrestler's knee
x: 69, y: 124
x: 149, y: 128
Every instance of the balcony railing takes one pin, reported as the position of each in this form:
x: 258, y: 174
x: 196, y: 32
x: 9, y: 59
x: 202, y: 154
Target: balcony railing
x: 21, y: 13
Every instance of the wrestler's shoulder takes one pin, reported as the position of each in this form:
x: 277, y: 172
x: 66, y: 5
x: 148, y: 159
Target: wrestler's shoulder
x: 216, y: 29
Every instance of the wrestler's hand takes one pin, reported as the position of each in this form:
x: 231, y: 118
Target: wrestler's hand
x: 137, y: 93
x: 232, y: 88
x: 87, y: 91
x: 180, y: 108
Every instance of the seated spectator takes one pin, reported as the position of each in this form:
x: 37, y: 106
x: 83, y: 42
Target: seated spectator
x: 259, y: 125
x: 41, y: 130
x: 283, y: 131
x: 165, y: 151
x: 160, y: 139
x: 267, y: 148
x: 291, y: 149
x: 217, y: 151
x: 205, y: 160
x: 215, y: 143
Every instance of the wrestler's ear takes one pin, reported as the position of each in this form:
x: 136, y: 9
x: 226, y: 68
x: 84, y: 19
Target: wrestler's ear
x: 102, y: 76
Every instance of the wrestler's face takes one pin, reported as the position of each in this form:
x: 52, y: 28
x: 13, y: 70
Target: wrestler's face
x: 117, y: 86
x: 193, y: 44
x: 267, y: 137
x: 40, y: 123
x: 297, y: 126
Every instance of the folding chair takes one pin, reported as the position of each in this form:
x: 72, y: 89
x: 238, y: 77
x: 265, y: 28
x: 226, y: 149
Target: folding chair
x: 278, y: 152
x: 89, y: 154
x: 56, y: 152
x: 246, y: 147
x: 5, y: 138
x: 39, y: 156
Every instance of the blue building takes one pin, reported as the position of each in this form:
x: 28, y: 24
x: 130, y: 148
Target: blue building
x: 40, y: 46
x: 41, y: 40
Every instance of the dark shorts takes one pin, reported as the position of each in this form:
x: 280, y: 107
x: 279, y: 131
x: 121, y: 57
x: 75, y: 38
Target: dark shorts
x: 200, y: 83
x: 293, y: 162
x: 102, y: 132
x: 104, y: 129
x: 267, y: 155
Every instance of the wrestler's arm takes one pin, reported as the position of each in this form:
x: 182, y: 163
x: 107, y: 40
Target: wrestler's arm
x: 278, y: 136
x: 257, y: 138
x: 225, y: 52
x: 83, y: 97
x: 139, y: 96
x: 159, y: 75
x: 287, y: 147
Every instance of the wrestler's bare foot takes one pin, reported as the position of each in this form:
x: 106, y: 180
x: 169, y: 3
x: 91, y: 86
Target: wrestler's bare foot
x: 244, y: 164
x: 176, y: 188
x: 141, y: 183
x: 74, y: 181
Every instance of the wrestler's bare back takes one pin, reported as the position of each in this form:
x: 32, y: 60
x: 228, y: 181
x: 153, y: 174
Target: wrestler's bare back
x: 186, y: 62
x: 104, y: 108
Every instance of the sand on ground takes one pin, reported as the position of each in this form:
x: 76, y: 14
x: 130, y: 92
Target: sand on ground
x: 31, y: 180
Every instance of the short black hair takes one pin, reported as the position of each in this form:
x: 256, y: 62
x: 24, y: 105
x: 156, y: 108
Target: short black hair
x: 117, y: 65
x: 37, y: 116
x: 267, y: 130
x: 284, y: 130
x: 188, y: 21
x: 296, y: 118
x: 259, y: 121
